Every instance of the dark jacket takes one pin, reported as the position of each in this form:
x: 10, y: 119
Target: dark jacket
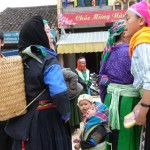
x: 71, y: 78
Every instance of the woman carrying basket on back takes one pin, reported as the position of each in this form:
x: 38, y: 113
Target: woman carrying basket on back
x: 45, y: 125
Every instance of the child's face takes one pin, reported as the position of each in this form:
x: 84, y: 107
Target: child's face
x: 91, y: 111
x: 84, y: 105
x: 132, y: 24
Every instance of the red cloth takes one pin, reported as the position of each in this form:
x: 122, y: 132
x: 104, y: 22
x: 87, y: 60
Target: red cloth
x: 79, y: 67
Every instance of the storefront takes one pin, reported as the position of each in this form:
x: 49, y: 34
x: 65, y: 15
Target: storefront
x: 89, y: 44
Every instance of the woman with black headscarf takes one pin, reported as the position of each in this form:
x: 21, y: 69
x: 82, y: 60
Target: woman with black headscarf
x: 45, y: 125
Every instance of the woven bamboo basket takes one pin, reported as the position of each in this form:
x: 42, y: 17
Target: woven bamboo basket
x: 12, y: 87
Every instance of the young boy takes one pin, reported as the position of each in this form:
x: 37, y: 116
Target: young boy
x: 95, y: 123
x: 85, y: 101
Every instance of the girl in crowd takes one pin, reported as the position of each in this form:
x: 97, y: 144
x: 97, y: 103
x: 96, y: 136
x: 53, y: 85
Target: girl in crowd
x: 137, y: 30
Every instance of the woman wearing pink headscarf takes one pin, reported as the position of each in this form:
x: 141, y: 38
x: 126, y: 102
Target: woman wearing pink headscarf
x: 137, y: 30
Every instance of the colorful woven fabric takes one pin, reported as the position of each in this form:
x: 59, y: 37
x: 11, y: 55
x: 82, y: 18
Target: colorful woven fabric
x: 114, y: 31
x: 101, y: 116
x: 104, y: 80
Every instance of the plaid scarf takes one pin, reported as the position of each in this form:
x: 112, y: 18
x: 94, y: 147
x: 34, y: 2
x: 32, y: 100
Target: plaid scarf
x: 101, y: 116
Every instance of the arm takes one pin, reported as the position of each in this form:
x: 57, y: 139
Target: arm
x: 103, y: 82
x: 143, y: 52
x: 77, y: 146
x: 82, y: 82
x: 70, y: 77
x: 77, y: 141
x: 140, y: 111
x: 53, y: 77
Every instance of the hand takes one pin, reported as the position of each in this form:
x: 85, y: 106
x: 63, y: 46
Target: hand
x: 66, y: 117
x: 140, y: 114
x: 77, y: 140
x: 66, y: 120
x: 77, y: 146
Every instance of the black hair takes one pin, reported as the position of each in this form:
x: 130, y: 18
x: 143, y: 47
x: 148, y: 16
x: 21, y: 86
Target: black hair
x: 117, y: 38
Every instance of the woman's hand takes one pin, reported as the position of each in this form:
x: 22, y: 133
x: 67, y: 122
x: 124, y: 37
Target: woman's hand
x: 140, y: 113
x: 77, y: 146
x: 77, y: 140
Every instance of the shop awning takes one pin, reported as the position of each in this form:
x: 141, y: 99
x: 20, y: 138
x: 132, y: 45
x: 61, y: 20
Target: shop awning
x: 82, y: 42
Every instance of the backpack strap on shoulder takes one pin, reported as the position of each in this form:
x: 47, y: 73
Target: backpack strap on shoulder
x: 28, y: 53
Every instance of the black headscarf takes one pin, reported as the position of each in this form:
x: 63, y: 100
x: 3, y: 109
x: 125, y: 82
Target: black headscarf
x: 33, y: 33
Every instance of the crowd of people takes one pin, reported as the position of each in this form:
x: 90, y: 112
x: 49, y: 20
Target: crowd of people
x: 124, y: 77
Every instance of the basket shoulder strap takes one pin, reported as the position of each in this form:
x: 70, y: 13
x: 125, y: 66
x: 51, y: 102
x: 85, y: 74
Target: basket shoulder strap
x: 32, y: 102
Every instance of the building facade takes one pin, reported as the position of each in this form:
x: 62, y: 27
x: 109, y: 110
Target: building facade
x: 84, y: 25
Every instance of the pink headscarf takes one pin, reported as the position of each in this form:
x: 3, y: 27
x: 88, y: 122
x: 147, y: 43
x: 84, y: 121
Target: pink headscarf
x: 142, y: 9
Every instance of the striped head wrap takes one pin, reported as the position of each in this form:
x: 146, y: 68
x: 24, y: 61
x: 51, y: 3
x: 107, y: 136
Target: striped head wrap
x: 114, y: 31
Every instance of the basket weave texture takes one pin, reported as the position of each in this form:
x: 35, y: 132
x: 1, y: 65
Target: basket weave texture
x: 12, y: 87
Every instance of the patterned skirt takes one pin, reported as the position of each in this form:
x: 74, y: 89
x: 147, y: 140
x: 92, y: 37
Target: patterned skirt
x: 47, y: 132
